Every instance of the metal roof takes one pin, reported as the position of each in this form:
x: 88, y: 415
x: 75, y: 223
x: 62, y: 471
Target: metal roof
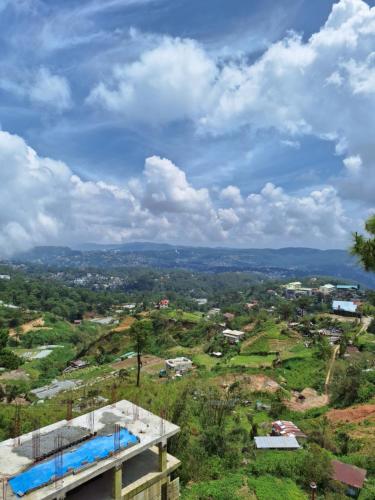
x: 348, y: 474
x: 272, y: 442
x: 344, y: 305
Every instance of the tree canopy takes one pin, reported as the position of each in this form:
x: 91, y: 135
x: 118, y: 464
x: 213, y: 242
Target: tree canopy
x: 363, y: 247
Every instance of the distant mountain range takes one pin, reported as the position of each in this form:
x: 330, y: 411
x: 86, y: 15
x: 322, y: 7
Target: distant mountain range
x: 277, y: 263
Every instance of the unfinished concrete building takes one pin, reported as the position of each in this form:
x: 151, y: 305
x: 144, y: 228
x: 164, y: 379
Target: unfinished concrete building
x: 116, y: 452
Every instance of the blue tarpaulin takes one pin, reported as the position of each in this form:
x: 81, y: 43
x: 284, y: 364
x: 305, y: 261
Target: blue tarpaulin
x: 89, y: 452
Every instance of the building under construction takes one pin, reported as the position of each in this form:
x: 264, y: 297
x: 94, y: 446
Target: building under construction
x: 116, y: 452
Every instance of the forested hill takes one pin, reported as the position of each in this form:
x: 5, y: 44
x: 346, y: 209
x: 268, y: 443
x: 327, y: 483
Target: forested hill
x: 279, y: 263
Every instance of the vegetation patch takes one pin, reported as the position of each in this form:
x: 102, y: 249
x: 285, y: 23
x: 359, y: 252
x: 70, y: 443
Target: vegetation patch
x: 272, y: 488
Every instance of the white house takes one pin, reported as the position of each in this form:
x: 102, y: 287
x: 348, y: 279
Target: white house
x: 327, y: 289
x: 233, y: 335
x: 179, y: 364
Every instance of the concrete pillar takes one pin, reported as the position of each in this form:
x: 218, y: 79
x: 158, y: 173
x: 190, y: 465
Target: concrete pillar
x: 117, y: 482
x: 162, y: 467
x: 162, y: 456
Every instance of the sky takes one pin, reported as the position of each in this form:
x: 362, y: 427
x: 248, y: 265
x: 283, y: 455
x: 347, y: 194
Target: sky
x: 215, y: 123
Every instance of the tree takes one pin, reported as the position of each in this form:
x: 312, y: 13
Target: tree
x: 364, y: 248
x: 140, y: 331
x: 345, y: 385
x: 317, y: 466
x: 286, y: 310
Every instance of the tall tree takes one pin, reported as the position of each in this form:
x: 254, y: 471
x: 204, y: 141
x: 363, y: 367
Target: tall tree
x: 141, y: 331
x: 364, y: 248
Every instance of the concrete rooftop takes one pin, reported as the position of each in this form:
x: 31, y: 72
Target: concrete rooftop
x: 149, y: 428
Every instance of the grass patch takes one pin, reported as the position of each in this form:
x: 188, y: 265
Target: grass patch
x: 272, y: 488
x: 252, y: 361
x: 221, y: 489
x: 300, y: 373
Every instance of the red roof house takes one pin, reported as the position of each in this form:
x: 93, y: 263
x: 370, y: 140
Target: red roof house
x: 353, y: 476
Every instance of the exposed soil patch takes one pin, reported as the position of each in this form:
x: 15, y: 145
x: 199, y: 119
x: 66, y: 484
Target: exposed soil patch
x: 148, y: 362
x: 125, y: 324
x: 354, y: 414
x: 35, y: 324
x: 254, y: 383
x: 249, y: 327
x: 307, y: 399
x: 15, y: 375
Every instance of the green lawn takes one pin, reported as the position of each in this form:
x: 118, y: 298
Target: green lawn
x: 193, y: 317
x: 252, y: 361
x: 205, y: 359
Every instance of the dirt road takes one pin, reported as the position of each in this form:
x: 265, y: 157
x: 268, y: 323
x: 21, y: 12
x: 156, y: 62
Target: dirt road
x: 365, y: 321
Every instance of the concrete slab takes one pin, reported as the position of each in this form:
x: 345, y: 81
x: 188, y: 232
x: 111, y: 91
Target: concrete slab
x: 149, y: 428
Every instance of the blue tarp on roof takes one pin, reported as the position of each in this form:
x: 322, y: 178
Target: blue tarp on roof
x: 89, y: 452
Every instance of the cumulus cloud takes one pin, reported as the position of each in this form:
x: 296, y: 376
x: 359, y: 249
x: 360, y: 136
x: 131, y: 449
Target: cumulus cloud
x: 44, y: 202
x: 322, y: 87
x: 171, y: 82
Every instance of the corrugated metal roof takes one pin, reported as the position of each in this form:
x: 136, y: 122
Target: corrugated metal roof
x: 281, y: 442
x: 348, y: 474
x: 344, y: 305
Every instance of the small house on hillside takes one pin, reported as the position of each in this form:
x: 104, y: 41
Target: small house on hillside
x: 78, y: 364
x: 276, y: 443
x: 352, y: 476
x: 286, y: 428
x: 233, y: 336
x: 345, y: 307
x: 181, y: 364
x: 163, y: 304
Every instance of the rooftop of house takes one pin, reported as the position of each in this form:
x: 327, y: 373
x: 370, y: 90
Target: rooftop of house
x: 287, y: 428
x: 16, y: 456
x: 348, y: 474
x: 176, y: 361
x: 276, y: 442
x: 344, y: 305
x: 235, y: 333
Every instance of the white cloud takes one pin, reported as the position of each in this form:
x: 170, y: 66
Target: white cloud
x: 353, y: 164
x: 232, y: 194
x: 171, y: 82
x: 44, y: 202
x: 41, y: 87
x: 50, y: 90
x: 322, y: 87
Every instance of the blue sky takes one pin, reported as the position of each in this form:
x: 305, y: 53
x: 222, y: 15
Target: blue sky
x: 239, y: 123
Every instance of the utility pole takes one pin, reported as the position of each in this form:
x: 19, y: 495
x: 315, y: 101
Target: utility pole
x: 313, y: 488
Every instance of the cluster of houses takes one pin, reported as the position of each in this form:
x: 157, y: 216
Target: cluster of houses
x: 295, y: 289
x: 285, y: 436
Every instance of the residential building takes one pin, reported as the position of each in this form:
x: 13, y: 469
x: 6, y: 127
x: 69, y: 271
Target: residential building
x: 276, y: 443
x: 4, y: 277
x: 233, y: 336
x: 117, y: 452
x: 163, y: 304
x: 213, y: 312
x: 327, y: 289
x: 344, y: 306
x: 181, y: 364
x: 201, y: 302
x: 353, y: 477
x: 286, y: 428
x: 78, y: 363
x: 347, y: 287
